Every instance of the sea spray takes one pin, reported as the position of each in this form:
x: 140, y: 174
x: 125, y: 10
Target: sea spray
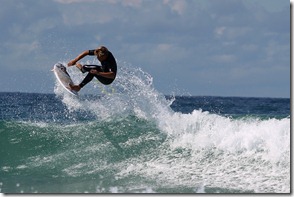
x: 201, y: 129
x: 135, y: 140
x: 243, y: 154
x: 133, y: 94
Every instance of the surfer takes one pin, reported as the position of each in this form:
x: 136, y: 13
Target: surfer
x: 105, y: 73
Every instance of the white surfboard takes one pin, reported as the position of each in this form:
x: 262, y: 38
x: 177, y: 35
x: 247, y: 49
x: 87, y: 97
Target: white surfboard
x: 63, y: 78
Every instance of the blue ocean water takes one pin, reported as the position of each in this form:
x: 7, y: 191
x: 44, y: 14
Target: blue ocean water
x: 130, y: 138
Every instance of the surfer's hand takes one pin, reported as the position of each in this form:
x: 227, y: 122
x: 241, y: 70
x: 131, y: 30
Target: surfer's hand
x: 71, y: 63
x: 93, y: 71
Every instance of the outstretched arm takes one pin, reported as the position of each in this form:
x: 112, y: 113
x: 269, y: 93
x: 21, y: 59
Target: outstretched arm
x: 82, y: 55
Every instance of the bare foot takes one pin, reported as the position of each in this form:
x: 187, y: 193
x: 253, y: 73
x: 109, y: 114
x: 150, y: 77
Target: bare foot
x: 79, y: 66
x: 75, y: 87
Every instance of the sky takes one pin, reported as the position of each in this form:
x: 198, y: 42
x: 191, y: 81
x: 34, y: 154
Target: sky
x: 189, y: 47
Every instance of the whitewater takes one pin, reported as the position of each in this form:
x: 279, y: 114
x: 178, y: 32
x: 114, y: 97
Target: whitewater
x: 128, y: 138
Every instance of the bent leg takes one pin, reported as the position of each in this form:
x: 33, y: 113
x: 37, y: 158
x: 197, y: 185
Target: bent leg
x: 103, y: 80
x: 87, y: 68
x: 86, y: 80
x: 89, y: 77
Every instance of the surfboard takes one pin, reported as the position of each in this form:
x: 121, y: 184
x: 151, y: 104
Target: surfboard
x: 63, y: 78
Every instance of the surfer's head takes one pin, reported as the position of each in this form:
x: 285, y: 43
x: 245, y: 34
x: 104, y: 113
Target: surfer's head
x: 101, y: 53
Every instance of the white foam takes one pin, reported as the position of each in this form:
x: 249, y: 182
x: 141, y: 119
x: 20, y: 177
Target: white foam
x: 131, y: 92
x: 135, y: 94
x: 245, y: 154
x: 203, y: 130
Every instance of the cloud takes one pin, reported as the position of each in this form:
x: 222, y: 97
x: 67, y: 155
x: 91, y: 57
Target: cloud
x: 232, y: 32
x: 177, y: 6
x: 131, y: 3
x: 83, y: 16
x: 225, y: 58
x: 207, y: 39
x: 164, y: 47
x: 249, y: 47
x: 219, y: 31
x: 127, y: 3
x: 74, y: 1
x: 78, y: 12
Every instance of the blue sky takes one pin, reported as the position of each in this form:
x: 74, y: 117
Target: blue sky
x: 194, y: 47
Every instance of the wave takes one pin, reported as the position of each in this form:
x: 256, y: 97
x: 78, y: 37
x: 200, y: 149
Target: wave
x: 135, y: 95
x: 128, y: 138
x: 132, y: 148
x: 197, y: 148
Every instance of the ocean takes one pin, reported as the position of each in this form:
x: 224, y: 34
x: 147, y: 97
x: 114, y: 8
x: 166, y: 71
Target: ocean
x: 130, y: 138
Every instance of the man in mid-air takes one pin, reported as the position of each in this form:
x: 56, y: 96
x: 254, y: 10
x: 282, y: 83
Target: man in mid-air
x: 105, y: 73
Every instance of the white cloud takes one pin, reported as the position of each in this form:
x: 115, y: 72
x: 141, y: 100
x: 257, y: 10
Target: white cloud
x: 231, y: 32
x: 74, y: 1
x: 250, y: 47
x: 127, y: 3
x: 81, y: 18
x: 131, y: 3
x: 178, y: 6
x: 274, y: 51
x: 199, y: 36
x: 164, y: 47
x: 219, y: 31
x: 22, y: 53
x: 225, y: 58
